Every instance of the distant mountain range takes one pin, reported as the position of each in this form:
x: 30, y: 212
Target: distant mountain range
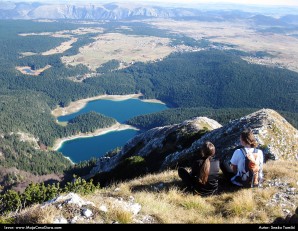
x: 121, y: 11
x: 111, y: 11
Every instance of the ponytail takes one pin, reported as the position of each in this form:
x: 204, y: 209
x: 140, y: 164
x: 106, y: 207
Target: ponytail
x: 204, y: 172
x: 207, y: 151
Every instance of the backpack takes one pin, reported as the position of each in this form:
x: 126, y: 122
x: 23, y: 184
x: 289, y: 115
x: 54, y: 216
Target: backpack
x: 250, y: 166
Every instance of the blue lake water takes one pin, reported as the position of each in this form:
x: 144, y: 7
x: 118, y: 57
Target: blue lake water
x: 28, y: 71
x: 119, y: 110
x: 85, y: 148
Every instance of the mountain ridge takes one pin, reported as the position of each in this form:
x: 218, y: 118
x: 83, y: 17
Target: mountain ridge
x: 120, y: 11
x: 110, y: 11
x: 165, y: 148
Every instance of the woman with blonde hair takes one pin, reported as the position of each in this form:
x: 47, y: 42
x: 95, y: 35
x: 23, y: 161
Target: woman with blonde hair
x: 203, y: 178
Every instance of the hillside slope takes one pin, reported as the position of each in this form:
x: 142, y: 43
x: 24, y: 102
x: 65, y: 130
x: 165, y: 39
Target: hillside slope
x: 275, y: 135
x: 177, y: 145
x: 159, y: 198
x: 150, y: 148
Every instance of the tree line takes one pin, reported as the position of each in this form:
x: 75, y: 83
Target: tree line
x: 218, y: 81
x: 178, y: 115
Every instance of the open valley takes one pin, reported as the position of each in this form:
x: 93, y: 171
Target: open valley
x: 102, y: 102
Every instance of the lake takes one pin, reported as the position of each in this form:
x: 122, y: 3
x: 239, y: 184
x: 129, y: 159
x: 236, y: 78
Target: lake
x: 28, y: 71
x: 119, y: 110
x: 84, y: 148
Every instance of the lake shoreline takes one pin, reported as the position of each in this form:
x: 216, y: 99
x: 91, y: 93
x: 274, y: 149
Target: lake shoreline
x: 76, y: 106
x: 116, y: 127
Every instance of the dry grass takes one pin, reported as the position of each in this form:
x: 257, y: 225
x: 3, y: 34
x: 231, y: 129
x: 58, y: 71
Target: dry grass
x: 129, y: 49
x: 162, y: 198
x: 149, y: 181
x: 154, y: 205
x: 176, y: 207
x: 241, y: 204
x: 64, y: 46
x: 120, y: 216
x: 282, y: 169
x: 263, y: 196
x: 240, y: 34
x: 36, y: 215
x: 61, y: 48
x: 125, y: 48
x: 189, y: 202
x: 170, y: 204
x: 67, y: 33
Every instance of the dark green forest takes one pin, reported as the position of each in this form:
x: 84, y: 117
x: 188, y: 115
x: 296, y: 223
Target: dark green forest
x: 213, y: 78
x: 23, y: 156
x: 27, y: 112
x: 178, y: 115
x: 213, y: 83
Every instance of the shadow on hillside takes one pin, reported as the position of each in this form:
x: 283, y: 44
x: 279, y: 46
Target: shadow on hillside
x: 158, y: 186
x: 224, y: 186
x: 289, y: 219
x: 51, y: 181
x: 20, y: 187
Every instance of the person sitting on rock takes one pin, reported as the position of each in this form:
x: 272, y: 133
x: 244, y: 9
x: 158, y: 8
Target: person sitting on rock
x: 203, y: 178
x: 238, y: 173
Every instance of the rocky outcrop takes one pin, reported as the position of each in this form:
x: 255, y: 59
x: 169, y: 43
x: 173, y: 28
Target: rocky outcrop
x: 175, y: 145
x: 73, y: 209
x: 156, y: 144
x: 277, y: 138
x: 285, y: 195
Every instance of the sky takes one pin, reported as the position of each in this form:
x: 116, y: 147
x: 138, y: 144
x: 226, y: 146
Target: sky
x: 254, y: 2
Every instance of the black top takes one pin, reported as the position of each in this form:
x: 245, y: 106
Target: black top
x: 211, y: 185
